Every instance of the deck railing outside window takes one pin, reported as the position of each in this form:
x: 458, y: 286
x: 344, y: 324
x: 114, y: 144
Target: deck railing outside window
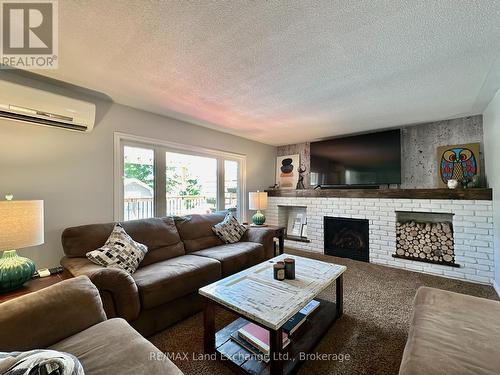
x: 141, y: 208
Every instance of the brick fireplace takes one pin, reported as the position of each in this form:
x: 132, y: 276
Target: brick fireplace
x: 471, y: 224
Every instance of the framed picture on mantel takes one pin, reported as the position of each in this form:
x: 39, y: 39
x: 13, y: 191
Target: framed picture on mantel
x: 287, y: 175
x: 458, y: 162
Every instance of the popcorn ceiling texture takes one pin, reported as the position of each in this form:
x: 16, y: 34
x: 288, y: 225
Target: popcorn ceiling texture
x: 419, y: 145
x: 285, y: 71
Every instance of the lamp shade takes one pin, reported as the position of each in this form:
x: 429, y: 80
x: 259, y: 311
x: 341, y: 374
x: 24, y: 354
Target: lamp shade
x: 257, y: 200
x: 21, y: 224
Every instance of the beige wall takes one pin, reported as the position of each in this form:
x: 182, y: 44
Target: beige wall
x: 73, y: 172
x: 491, y: 128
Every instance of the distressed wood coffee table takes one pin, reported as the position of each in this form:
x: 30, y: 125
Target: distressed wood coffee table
x: 257, y: 297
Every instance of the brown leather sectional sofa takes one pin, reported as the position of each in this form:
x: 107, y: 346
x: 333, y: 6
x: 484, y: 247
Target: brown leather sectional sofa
x: 183, y: 255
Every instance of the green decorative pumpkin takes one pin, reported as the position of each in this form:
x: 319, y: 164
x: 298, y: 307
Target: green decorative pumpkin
x: 14, y: 271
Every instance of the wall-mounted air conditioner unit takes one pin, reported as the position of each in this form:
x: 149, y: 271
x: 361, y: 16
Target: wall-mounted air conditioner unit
x: 22, y: 103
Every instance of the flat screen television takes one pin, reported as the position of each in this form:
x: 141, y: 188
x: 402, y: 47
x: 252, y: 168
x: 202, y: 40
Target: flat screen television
x: 361, y: 160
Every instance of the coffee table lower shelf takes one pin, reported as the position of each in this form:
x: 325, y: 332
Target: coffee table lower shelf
x: 303, y: 341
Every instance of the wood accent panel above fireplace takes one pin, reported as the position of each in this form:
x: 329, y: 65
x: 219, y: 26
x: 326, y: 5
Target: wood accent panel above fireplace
x: 458, y: 194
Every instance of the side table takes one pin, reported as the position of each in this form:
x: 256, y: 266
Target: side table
x: 279, y: 233
x: 34, y: 285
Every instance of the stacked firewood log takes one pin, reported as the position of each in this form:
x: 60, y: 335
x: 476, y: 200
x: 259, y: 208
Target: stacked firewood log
x: 426, y: 241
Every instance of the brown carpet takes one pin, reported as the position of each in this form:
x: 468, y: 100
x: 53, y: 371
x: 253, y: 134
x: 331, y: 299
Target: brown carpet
x: 373, y: 330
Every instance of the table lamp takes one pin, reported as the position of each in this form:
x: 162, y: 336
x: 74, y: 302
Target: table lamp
x: 258, y: 201
x: 21, y: 225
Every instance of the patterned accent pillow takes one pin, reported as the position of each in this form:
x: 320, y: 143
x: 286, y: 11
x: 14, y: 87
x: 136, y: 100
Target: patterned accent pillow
x: 119, y: 251
x: 229, y: 230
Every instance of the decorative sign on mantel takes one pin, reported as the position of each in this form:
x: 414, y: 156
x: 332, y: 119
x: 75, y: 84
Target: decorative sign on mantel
x: 458, y: 162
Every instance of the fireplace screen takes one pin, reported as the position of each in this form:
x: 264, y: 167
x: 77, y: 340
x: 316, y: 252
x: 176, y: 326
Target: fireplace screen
x: 347, y: 238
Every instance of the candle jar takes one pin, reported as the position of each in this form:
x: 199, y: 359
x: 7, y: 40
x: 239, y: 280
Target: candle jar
x: 289, y: 268
x: 279, y: 271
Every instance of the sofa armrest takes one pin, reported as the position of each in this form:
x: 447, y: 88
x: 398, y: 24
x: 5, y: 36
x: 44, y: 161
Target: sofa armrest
x: 264, y: 236
x: 114, y: 281
x: 45, y: 317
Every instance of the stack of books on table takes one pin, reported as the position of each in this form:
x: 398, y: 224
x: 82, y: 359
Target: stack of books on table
x: 298, y: 319
x: 256, y: 339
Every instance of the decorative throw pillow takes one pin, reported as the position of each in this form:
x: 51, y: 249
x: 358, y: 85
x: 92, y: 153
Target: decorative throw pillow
x: 229, y: 230
x: 119, y: 251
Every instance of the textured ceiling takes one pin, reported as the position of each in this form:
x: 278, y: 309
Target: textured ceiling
x: 286, y: 71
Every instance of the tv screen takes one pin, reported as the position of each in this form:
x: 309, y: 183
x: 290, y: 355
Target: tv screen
x: 368, y: 159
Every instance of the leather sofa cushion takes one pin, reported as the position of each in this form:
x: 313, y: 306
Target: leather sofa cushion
x: 235, y: 257
x: 196, y: 231
x: 160, y: 235
x: 114, y: 347
x: 167, y: 280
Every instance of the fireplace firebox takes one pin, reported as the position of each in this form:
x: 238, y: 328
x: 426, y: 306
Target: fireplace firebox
x: 346, y: 238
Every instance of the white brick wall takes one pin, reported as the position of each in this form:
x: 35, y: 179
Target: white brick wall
x: 472, y: 224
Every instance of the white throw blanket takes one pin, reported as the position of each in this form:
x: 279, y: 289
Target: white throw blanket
x: 39, y: 362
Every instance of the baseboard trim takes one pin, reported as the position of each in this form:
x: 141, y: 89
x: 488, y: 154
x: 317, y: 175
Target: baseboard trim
x: 496, y: 287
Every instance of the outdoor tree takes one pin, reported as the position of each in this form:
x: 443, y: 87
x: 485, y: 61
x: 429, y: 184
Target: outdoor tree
x: 175, y: 183
x: 192, y: 187
x: 142, y: 172
x: 173, y: 179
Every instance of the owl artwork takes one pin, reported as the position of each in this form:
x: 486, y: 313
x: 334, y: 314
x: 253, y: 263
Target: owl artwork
x: 457, y: 163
